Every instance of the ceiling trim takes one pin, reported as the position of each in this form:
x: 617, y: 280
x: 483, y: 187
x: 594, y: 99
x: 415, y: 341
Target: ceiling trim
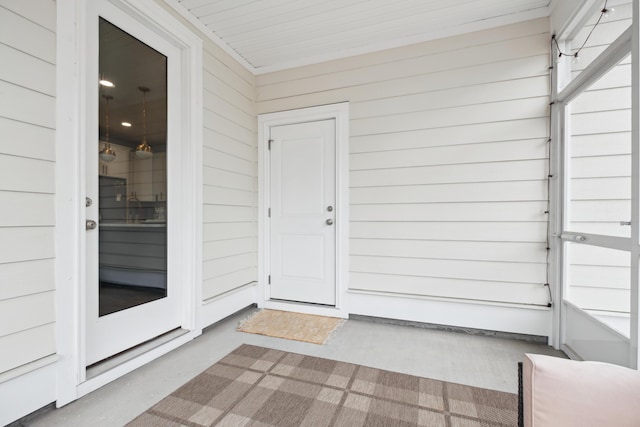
x: 484, y: 24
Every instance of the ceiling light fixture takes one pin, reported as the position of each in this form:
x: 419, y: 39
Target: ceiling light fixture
x: 126, y: 124
x: 143, y: 150
x: 106, y: 83
x: 107, y: 154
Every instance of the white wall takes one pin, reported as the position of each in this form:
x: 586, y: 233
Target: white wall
x: 27, y: 178
x: 27, y: 126
x: 448, y: 162
x: 230, y: 193
x: 230, y: 172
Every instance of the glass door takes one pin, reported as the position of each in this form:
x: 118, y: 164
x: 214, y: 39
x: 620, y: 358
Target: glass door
x: 130, y: 299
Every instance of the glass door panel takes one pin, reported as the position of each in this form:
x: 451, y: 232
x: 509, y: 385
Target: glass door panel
x: 132, y: 172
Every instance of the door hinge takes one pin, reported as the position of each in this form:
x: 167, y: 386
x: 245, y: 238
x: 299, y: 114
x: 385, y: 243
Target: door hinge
x: 269, y: 212
x: 270, y: 141
x: 269, y: 279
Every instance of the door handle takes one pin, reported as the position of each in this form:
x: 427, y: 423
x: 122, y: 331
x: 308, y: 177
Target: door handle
x: 91, y: 224
x: 329, y: 221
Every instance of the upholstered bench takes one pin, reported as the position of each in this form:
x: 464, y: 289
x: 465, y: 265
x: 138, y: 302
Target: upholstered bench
x: 566, y: 393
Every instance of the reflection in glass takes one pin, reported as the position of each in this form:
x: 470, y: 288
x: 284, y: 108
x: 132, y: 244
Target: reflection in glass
x: 132, y: 189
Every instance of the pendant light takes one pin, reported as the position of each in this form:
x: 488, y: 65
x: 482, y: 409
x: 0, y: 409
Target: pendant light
x: 143, y: 150
x: 107, y: 154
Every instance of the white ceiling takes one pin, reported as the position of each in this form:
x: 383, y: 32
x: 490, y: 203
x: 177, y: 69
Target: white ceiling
x: 270, y: 35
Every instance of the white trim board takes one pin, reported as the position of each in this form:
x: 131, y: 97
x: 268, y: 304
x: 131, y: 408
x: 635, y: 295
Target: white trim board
x: 223, y: 306
x: 490, y: 317
x: 72, y: 108
x: 27, y: 393
x: 339, y: 113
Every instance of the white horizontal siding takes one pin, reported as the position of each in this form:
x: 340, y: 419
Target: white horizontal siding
x: 27, y: 346
x: 471, y: 56
x: 26, y: 140
x: 41, y: 312
x: 470, y: 134
x: 451, y: 250
x: 490, y: 152
x: 447, y: 79
x: 230, y: 172
x: 27, y: 181
x: 448, y: 162
x: 514, y: 170
x: 392, y: 55
x: 451, y: 212
x: 224, y: 283
x: 456, y: 193
x: 34, y: 277
x: 599, y: 278
x: 442, y: 287
x: 600, y: 171
x: 461, y: 231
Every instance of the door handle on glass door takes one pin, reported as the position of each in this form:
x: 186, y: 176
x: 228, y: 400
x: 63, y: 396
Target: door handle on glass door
x: 91, y: 224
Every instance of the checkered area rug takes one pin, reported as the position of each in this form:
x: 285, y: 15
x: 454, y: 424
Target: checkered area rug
x: 256, y: 386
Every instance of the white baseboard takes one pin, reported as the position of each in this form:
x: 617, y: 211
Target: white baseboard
x: 216, y: 309
x: 517, y: 320
x: 27, y: 393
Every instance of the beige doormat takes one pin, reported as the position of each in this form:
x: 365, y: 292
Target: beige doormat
x: 292, y: 326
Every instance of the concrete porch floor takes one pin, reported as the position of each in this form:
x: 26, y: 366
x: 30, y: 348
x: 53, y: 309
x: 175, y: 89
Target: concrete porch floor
x: 480, y: 361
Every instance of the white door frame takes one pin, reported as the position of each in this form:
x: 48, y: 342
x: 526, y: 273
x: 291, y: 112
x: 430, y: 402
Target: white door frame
x: 563, y: 92
x: 73, y: 110
x: 339, y: 113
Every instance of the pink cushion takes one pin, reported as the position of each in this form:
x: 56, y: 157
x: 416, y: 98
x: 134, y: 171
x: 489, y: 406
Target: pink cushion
x: 565, y: 393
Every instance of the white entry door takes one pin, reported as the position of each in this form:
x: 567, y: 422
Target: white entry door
x: 131, y: 293
x: 303, y: 214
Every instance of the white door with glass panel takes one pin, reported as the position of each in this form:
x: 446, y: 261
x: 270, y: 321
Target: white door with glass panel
x: 302, y: 212
x: 129, y: 296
